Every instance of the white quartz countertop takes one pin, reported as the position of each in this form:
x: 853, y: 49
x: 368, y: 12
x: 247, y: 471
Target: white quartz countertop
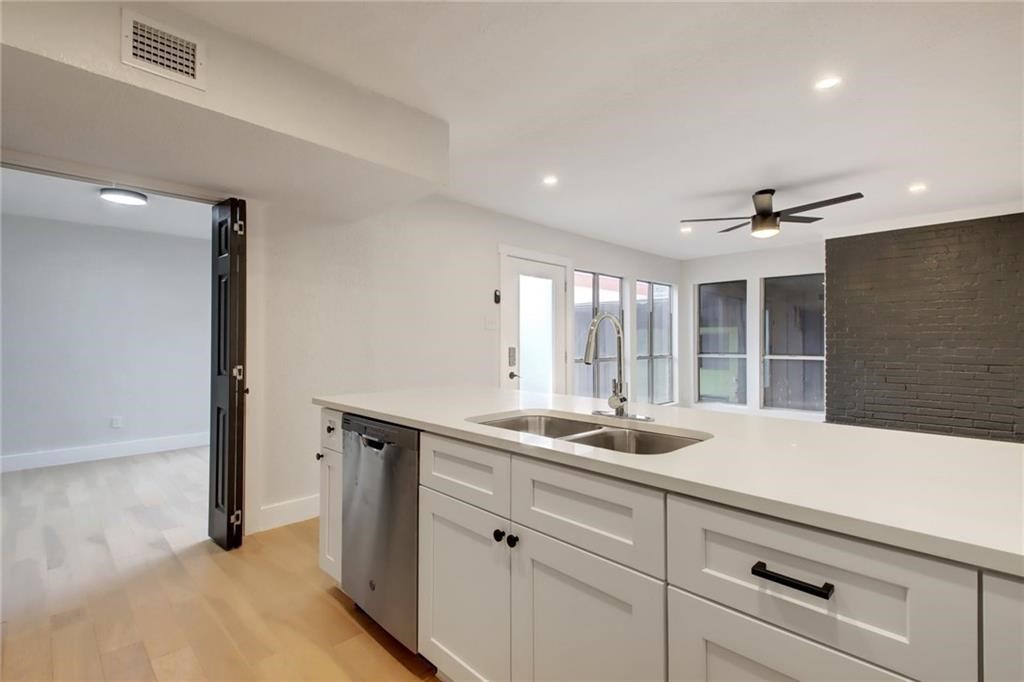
x: 957, y: 498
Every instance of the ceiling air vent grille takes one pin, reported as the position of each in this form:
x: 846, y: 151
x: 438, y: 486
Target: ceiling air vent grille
x: 161, y: 50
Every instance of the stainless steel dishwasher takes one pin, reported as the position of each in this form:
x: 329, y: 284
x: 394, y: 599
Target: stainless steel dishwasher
x: 379, y: 522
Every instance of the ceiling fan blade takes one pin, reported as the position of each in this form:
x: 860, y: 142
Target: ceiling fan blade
x: 735, y: 227
x: 820, y: 204
x: 798, y: 219
x: 711, y: 220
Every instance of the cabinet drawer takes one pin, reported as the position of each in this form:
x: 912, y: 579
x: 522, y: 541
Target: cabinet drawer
x: 711, y: 643
x: 618, y: 520
x: 473, y: 474
x: 330, y: 430
x: 914, y: 615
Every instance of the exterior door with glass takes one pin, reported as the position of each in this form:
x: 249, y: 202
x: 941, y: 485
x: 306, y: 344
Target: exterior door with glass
x: 533, y: 321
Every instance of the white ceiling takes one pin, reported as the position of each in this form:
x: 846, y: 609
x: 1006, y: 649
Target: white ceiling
x: 46, y: 196
x: 654, y: 112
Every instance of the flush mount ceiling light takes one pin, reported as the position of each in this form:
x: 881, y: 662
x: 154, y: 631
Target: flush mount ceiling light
x: 764, y: 226
x: 686, y: 229
x: 917, y: 188
x: 828, y: 83
x: 125, y: 197
x: 550, y: 180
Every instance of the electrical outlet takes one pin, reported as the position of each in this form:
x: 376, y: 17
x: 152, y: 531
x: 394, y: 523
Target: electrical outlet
x: 116, y: 422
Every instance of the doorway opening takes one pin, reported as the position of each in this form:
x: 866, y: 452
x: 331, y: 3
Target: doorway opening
x: 107, y: 381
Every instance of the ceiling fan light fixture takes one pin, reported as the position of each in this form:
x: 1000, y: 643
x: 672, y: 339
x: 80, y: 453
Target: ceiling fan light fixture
x: 764, y: 226
x: 764, y: 232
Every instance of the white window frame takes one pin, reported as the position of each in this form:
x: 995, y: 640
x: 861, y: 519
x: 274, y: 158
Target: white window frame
x: 697, y: 355
x: 762, y: 370
x: 755, y: 339
x: 571, y: 304
x: 650, y: 357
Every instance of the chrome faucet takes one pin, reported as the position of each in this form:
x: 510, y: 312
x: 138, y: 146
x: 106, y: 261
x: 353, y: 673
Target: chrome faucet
x: 618, y: 400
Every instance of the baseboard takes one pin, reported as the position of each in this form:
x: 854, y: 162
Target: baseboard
x: 89, y: 453
x: 289, y: 511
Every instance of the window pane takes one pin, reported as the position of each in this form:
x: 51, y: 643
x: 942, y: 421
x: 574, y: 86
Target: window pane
x: 722, y: 380
x: 794, y: 315
x: 662, y: 319
x: 643, y: 311
x: 723, y: 317
x: 536, y: 333
x: 583, y: 310
x: 663, y: 380
x: 609, y: 301
x: 606, y: 370
x: 795, y: 384
x: 641, y: 382
x: 583, y: 379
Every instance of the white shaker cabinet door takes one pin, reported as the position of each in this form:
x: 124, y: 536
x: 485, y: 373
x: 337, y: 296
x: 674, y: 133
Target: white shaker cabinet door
x: 463, y: 589
x: 1003, y: 614
x: 711, y: 643
x: 577, y: 616
x: 330, y: 513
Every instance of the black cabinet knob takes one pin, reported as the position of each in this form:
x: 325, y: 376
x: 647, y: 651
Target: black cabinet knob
x: 499, y: 535
x: 330, y: 429
x: 512, y: 540
x: 319, y: 456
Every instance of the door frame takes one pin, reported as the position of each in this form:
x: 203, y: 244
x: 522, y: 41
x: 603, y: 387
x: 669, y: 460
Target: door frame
x: 252, y: 513
x: 506, y: 324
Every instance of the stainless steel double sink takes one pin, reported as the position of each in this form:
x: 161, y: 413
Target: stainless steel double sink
x: 609, y: 437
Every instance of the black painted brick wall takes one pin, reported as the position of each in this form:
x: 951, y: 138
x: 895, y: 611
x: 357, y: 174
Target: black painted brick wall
x: 924, y: 329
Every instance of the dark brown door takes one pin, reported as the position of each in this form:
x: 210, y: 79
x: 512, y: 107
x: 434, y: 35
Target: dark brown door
x: 227, y: 385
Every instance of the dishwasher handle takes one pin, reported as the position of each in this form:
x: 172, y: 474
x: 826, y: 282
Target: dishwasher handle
x: 373, y: 443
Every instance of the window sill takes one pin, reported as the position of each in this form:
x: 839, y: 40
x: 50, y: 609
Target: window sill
x: 775, y: 412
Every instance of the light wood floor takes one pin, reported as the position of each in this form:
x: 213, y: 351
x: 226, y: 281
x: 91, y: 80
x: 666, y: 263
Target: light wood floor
x: 107, y: 574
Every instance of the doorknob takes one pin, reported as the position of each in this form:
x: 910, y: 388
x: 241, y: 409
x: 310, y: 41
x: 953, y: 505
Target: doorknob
x: 319, y: 456
x: 513, y: 375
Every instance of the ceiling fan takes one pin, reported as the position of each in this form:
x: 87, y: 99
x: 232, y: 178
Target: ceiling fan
x: 765, y: 221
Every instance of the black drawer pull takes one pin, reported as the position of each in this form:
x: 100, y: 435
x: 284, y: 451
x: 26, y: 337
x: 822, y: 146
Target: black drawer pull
x: 760, y: 569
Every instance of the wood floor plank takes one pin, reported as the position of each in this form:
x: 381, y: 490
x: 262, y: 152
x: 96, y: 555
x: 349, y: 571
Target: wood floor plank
x: 127, y: 664
x: 179, y: 666
x: 27, y: 655
x: 76, y: 655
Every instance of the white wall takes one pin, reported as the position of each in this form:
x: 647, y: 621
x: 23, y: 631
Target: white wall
x: 752, y: 266
x: 101, y: 322
x: 399, y: 300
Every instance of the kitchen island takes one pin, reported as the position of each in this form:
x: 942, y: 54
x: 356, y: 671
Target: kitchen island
x: 874, y: 547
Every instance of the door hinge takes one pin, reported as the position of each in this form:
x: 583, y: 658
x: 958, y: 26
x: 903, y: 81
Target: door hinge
x: 239, y: 227
x: 236, y: 518
x: 237, y: 372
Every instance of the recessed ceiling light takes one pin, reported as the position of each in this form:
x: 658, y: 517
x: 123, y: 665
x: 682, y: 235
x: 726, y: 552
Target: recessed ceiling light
x: 828, y: 83
x: 686, y: 229
x: 550, y: 180
x: 125, y: 197
x: 917, y: 188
